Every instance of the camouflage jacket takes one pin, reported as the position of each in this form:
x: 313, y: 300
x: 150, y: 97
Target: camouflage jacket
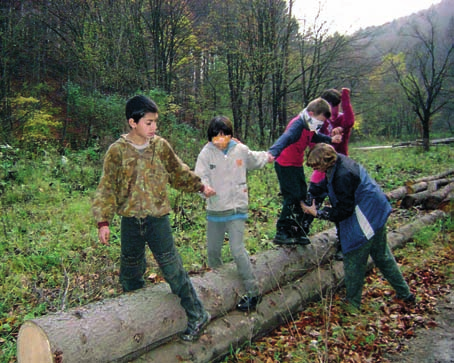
x: 134, y: 182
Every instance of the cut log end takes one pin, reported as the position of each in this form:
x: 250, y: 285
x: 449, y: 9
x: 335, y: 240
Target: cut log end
x: 33, y: 345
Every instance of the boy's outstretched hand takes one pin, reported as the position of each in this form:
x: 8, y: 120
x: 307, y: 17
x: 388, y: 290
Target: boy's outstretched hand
x: 337, y: 131
x: 104, y: 234
x: 336, y: 139
x: 270, y: 158
x: 208, y: 191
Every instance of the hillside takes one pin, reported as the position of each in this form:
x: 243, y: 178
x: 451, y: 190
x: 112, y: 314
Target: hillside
x: 390, y: 35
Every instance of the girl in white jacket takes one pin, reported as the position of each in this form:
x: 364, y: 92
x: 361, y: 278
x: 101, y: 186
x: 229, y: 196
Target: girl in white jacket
x: 223, y: 164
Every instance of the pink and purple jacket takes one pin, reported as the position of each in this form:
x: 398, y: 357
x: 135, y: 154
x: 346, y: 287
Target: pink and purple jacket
x: 344, y: 119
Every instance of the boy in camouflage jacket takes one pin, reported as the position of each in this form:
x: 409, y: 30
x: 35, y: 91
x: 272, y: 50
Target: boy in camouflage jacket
x: 137, y: 168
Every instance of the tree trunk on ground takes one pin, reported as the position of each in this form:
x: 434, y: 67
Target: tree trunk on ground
x: 408, y: 144
x: 401, y: 192
x: 412, y: 187
x: 447, y: 205
x: 429, y: 199
x: 434, y: 199
x: 140, y: 323
x: 435, y: 177
x: 235, y: 329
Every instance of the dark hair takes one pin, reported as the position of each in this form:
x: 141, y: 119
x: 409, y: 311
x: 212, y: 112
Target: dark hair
x: 218, y: 124
x: 138, y: 106
x: 333, y: 96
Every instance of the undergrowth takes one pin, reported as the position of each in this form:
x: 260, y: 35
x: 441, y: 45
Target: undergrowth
x: 50, y: 257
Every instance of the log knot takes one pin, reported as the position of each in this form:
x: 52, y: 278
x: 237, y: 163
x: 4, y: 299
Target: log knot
x: 138, y: 337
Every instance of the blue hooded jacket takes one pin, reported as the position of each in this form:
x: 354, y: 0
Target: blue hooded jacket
x: 359, y: 206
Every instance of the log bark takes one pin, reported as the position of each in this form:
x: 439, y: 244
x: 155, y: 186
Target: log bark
x: 278, y: 307
x: 435, y: 198
x: 447, y: 205
x: 412, y: 200
x: 442, y: 175
x: 408, y: 144
x: 145, y: 323
x: 114, y: 329
x: 401, y: 192
x: 412, y: 187
x: 429, y: 199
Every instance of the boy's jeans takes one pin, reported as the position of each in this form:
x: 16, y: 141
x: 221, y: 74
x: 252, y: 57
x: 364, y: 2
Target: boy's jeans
x: 157, y: 233
x: 355, y: 263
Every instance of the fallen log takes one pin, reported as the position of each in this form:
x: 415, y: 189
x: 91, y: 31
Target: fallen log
x: 430, y: 183
x: 428, y: 199
x: 434, y: 199
x: 126, y: 327
x: 407, y: 144
x: 447, y: 205
x: 412, y: 200
x: 152, y: 315
x: 401, y: 192
x: 235, y: 329
x: 420, y: 142
x: 441, y: 175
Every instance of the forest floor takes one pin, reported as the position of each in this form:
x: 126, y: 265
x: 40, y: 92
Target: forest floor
x: 435, y: 345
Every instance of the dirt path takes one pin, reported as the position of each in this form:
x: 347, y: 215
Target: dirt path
x: 435, y: 345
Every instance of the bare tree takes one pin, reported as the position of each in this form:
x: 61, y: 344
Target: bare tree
x: 428, y: 68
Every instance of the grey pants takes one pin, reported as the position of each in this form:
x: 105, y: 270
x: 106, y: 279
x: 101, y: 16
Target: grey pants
x: 235, y: 229
x: 157, y: 233
x: 355, y: 263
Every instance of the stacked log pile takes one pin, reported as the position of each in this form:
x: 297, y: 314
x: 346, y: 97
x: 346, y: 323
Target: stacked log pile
x: 142, y: 326
x: 429, y: 193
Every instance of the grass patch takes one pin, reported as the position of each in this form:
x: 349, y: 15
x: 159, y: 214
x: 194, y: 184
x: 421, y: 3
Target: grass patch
x: 49, y: 243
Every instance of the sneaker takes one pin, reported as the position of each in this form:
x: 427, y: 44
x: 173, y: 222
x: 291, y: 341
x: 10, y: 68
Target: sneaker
x: 249, y: 303
x: 194, y: 329
x: 282, y: 237
x: 409, y: 300
x: 349, y: 308
x: 302, y: 240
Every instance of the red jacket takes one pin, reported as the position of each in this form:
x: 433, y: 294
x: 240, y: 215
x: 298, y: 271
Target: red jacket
x: 289, y: 148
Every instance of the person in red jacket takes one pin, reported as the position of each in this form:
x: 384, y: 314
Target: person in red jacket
x: 340, y: 123
x: 288, y: 151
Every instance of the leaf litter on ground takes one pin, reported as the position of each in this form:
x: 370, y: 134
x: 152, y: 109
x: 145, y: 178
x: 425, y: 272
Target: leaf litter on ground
x: 326, y: 331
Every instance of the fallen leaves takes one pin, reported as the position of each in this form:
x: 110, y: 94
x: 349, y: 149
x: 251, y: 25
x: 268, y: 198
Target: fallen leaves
x: 324, y: 332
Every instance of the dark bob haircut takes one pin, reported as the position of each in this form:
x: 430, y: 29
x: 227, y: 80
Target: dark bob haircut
x: 332, y: 96
x: 218, y: 124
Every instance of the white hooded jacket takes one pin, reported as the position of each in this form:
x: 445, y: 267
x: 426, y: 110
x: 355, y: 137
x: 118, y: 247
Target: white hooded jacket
x: 226, y: 173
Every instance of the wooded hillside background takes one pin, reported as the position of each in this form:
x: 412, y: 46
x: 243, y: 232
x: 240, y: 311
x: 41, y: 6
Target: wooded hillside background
x: 67, y: 67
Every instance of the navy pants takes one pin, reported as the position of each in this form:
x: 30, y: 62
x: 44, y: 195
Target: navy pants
x: 292, y: 183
